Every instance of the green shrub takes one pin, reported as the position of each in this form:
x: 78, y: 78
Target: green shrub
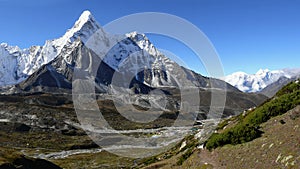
x: 239, y: 134
x: 185, y: 156
x: 150, y: 160
x: 291, y: 87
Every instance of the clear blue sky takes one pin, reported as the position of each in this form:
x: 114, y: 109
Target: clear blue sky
x: 248, y: 35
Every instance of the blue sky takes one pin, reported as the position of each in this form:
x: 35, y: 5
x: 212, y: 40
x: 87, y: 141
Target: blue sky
x: 248, y: 35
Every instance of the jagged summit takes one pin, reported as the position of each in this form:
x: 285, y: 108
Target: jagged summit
x: 143, y: 42
x: 83, y: 28
x: 85, y: 16
x: 262, y: 71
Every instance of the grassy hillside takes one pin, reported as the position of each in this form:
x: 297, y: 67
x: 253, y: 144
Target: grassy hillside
x: 247, y: 125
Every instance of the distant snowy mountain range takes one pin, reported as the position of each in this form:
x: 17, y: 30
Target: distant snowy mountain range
x: 257, y: 82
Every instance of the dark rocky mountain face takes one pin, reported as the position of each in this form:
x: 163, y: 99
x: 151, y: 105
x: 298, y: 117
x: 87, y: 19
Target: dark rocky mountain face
x: 273, y: 88
x: 57, y: 75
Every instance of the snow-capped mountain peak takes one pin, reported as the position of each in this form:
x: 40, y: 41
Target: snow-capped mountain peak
x: 83, y: 28
x: 143, y: 42
x: 84, y: 17
x: 17, y: 64
x: 262, y: 71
